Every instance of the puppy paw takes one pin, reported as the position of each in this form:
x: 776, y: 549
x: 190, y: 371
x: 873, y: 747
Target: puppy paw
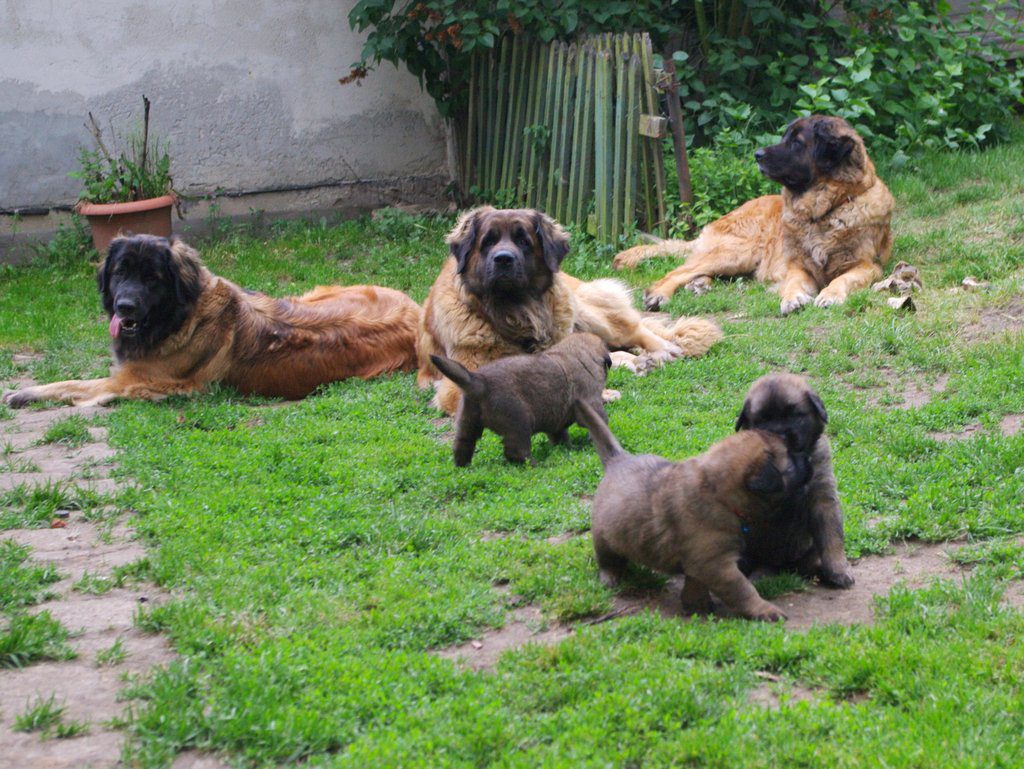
x: 795, y: 302
x: 654, y: 301
x: 608, y: 578
x: 699, y: 285
x: 629, y: 361
x: 828, y: 298
x: 607, y: 396
x: 841, y: 578
x: 769, y: 612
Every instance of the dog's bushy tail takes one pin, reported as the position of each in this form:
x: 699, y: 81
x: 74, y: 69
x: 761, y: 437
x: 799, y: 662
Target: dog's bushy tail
x: 463, y: 377
x: 603, y: 439
x: 694, y: 336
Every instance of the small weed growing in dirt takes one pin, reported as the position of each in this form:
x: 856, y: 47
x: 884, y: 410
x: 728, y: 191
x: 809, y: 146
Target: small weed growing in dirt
x: 115, y: 655
x: 20, y: 585
x: 71, y: 432
x: 779, y: 584
x: 29, y: 638
x: 94, y: 584
x: 70, y: 729
x: 41, y: 716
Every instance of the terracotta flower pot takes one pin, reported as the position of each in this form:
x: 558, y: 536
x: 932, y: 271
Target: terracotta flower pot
x: 108, y: 220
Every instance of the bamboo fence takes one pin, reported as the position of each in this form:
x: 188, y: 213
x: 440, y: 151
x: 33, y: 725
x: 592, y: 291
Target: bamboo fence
x: 556, y: 126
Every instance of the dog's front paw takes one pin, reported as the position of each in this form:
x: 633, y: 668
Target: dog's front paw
x: 628, y: 258
x: 16, y: 399
x: 607, y: 396
x: 841, y: 578
x: 699, y: 285
x: 795, y: 302
x: 828, y: 298
x: 768, y: 612
x: 653, y: 301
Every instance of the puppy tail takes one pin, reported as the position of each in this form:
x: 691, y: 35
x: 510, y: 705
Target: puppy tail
x: 459, y: 374
x: 603, y: 439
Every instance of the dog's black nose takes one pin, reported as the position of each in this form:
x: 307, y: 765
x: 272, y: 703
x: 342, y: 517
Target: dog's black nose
x: 503, y: 258
x: 124, y: 307
x: 758, y: 155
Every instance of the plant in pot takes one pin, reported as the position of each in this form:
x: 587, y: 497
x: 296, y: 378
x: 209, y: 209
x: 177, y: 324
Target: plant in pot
x: 128, y: 192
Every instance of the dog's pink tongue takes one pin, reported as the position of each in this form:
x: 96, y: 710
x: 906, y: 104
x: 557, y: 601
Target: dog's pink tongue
x: 115, y: 326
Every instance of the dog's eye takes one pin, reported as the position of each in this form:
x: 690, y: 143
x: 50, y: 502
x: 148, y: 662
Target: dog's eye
x: 489, y: 239
x: 797, y: 143
x: 521, y: 238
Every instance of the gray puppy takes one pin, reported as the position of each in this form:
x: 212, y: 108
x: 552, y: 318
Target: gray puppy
x: 805, y: 534
x: 521, y: 395
x: 689, y: 517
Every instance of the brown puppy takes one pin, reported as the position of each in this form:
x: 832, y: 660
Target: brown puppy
x: 826, y: 235
x: 176, y: 328
x: 806, y: 534
x: 521, y: 395
x: 689, y: 517
x: 502, y: 293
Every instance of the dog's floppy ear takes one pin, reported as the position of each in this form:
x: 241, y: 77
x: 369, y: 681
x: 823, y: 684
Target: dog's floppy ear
x: 767, y: 480
x: 743, y: 420
x: 554, y: 241
x: 185, y: 268
x: 817, y: 405
x: 462, y: 239
x: 106, y: 270
x: 831, y: 149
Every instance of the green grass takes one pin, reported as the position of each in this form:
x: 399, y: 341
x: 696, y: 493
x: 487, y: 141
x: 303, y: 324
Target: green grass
x: 28, y: 506
x: 20, y: 585
x: 71, y: 432
x: 320, y: 550
x: 47, y: 717
x: 115, y: 654
x: 28, y: 638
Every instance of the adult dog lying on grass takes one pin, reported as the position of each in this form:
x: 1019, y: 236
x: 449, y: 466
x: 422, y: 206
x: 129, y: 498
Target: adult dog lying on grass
x: 826, y: 235
x: 502, y: 293
x: 176, y: 327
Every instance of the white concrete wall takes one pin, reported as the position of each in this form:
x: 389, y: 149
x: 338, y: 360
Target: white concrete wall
x: 246, y: 93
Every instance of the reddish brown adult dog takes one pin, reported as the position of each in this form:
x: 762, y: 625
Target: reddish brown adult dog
x: 826, y: 235
x: 502, y: 293
x: 176, y: 328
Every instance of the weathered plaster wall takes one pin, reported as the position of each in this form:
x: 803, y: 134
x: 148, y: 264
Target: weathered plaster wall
x: 245, y: 91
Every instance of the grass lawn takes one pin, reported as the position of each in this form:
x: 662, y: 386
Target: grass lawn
x: 318, y: 551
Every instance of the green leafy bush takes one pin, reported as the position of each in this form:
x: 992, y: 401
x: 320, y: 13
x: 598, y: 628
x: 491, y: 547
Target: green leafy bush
x: 908, y: 76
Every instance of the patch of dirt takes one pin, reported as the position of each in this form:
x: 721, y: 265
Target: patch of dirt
x: 775, y: 693
x: 945, y: 436
x: 87, y: 689
x: 911, y: 393
x: 996, y: 321
x: 1011, y: 424
x: 915, y: 564
x: 525, y: 625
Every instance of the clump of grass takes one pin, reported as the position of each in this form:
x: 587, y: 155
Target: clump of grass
x: 41, y: 716
x: 95, y: 584
x: 20, y: 585
x: 31, y: 638
x: 115, y: 655
x: 32, y: 505
x: 779, y: 584
x: 72, y: 432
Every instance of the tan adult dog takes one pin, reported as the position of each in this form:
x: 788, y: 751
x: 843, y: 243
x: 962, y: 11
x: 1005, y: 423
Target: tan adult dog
x: 176, y: 328
x: 826, y: 235
x: 502, y: 293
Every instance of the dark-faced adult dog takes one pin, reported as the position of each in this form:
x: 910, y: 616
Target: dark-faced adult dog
x: 176, y: 328
x: 689, y: 517
x: 806, y: 534
x: 522, y: 395
x: 826, y: 235
x: 502, y: 293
